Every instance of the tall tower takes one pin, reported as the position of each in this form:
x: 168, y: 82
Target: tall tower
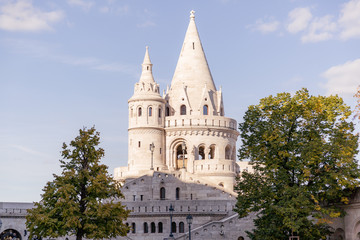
x: 146, y: 123
x: 195, y: 118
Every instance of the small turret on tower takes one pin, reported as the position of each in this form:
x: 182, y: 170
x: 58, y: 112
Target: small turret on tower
x: 146, y: 123
x: 146, y: 83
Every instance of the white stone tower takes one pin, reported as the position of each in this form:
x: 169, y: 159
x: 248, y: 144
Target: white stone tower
x: 146, y: 123
x: 193, y: 139
x: 195, y: 116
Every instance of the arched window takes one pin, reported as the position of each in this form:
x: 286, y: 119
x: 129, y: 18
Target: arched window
x: 183, y: 110
x: 173, y: 227
x: 131, y: 112
x: 127, y: 224
x: 150, y: 111
x: 167, y: 113
x: 212, y: 152
x: 146, y: 229
x: 162, y: 193
x: 133, y: 228
x: 160, y: 113
x: 153, y: 227
x: 177, y: 193
x: 181, y: 227
x: 201, y: 152
x: 205, y: 110
x: 160, y: 227
x: 221, y: 111
x: 139, y: 112
x: 227, y: 152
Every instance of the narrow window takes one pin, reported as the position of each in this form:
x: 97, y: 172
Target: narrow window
x: 133, y: 228
x: 139, y: 144
x: 153, y: 227
x: 201, y: 152
x: 141, y: 197
x: 181, y: 227
x: 160, y: 150
x: 162, y: 193
x: 134, y: 198
x: 160, y: 227
x: 193, y: 45
x: 139, y: 112
x: 173, y: 227
x: 127, y: 224
x: 177, y: 193
x: 150, y: 111
x: 205, y: 110
x: 212, y: 152
x: 159, y: 112
x: 191, y: 198
x: 167, y: 111
x: 146, y: 229
x: 183, y: 110
x: 147, y: 68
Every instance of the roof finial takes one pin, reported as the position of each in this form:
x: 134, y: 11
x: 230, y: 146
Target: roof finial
x: 192, y: 14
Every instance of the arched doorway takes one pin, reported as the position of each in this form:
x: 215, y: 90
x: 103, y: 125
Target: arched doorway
x: 10, y: 234
x: 181, y: 156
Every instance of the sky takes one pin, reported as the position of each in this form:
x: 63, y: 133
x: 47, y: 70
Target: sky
x: 67, y: 64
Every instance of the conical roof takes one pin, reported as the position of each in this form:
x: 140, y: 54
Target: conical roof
x: 146, y: 74
x: 192, y: 70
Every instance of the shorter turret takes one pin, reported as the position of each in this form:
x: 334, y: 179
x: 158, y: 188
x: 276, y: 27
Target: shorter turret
x: 146, y: 123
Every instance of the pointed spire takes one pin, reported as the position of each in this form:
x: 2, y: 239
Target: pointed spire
x: 147, y: 57
x: 192, y: 68
x: 146, y: 74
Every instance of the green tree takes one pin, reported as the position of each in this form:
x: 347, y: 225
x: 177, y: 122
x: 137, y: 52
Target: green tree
x: 302, y: 149
x: 83, y: 200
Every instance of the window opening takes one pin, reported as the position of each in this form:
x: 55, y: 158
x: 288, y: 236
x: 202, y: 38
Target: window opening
x: 201, y: 152
x: 183, y: 110
x: 162, y: 193
x: 146, y: 229
x: 160, y: 227
x: 212, y: 152
x: 181, y: 227
x: 133, y: 228
x: 167, y: 113
x: 153, y: 227
x: 141, y: 197
x: 139, y: 143
x: 193, y: 45
x: 159, y: 112
x: 150, y: 111
x: 205, y: 110
x: 139, y: 112
x: 173, y: 227
x: 177, y: 193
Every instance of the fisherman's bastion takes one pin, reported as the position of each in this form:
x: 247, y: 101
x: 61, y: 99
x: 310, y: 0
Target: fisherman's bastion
x: 182, y: 160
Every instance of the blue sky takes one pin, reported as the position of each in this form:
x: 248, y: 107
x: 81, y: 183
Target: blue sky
x: 72, y: 63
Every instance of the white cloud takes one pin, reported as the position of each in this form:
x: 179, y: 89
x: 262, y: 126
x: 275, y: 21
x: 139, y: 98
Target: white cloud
x: 21, y: 15
x: 343, y: 79
x: 320, y: 29
x: 349, y: 20
x: 84, y: 4
x: 265, y: 26
x: 299, y: 19
x: 46, y: 51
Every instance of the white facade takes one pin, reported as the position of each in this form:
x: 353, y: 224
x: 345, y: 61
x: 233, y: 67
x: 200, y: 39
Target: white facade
x: 190, y: 112
x: 192, y: 165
